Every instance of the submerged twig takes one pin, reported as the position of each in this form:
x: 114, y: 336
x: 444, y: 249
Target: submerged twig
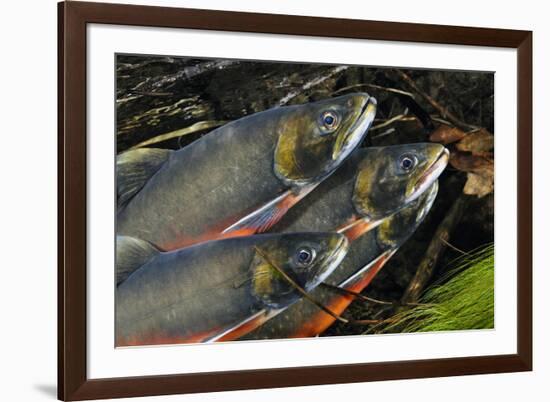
x: 442, y: 110
x: 161, y: 94
x: 384, y: 133
x: 301, y: 290
x: 435, y: 251
x: 152, y: 84
x: 310, y: 84
x: 366, y: 298
x: 399, y: 117
x: 374, y: 86
x: 200, y: 126
x: 311, y: 299
x: 355, y: 294
x: 454, y: 247
x: 127, y: 99
x: 126, y: 67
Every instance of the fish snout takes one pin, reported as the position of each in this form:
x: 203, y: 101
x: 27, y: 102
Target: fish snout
x: 349, y: 140
x: 439, y: 160
x: 339, y: 246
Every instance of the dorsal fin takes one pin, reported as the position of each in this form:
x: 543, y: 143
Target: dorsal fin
x: 131, y: 253
x: 134, y: 168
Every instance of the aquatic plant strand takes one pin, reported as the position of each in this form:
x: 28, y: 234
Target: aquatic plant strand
x: 463, y: 299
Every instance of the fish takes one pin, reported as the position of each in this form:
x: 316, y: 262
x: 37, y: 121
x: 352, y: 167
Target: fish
x: 196, y: 293
x: 239, y: 179
x: 366, y: 256
x: 370, y: 186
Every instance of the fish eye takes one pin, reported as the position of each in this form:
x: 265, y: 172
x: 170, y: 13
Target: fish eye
x: 407, y: 162
x: 329, y: 119
x: 305, y: 256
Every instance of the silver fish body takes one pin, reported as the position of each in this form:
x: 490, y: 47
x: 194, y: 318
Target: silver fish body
x: 240, y: 178
x: 196, y: 293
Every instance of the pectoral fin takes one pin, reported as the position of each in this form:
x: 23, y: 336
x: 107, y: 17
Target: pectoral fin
x: 134, y: 168
x: 131, y: 253
x: 244, y: 327
x: 357, y: 227
x: 270, y: 213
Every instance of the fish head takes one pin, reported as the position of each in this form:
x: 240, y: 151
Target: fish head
x: 396, y: 229
x: 284, y: 262
x: 314, y: 138
x: 389, y: 178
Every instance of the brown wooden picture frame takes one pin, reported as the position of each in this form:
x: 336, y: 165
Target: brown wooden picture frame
x: 73, y: 383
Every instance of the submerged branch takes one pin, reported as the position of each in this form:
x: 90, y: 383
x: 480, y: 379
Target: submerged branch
x: 310, y: 84
x: 367, y: 299
x: 150, y: 85
x: 435, y: 250
x: 374, y: 86
x: 436, y: 105
x: 399, y: 117
x: 200, y: 126
x: 129, y: 67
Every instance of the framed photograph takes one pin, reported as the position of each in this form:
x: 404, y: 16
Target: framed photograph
x: 253, y: 200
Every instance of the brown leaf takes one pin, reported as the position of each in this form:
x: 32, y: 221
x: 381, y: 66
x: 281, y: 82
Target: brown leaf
x: 478, y: 142
x: 446, y: 134
x: 479, y: 185
x: 467, y: 162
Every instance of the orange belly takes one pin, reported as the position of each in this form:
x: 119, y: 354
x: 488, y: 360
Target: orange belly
x: 321, y: 321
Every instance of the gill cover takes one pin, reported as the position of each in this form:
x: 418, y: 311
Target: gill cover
x: 305, y: 258
x: 391, y: 177
x: 393, y: 231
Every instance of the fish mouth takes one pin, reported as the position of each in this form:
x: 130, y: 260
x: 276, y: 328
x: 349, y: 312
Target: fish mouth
x: 432, y: 194
x: 347, y: 142
x: 330, y: 263
x: 431, y: 174
x: 428, y: 202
